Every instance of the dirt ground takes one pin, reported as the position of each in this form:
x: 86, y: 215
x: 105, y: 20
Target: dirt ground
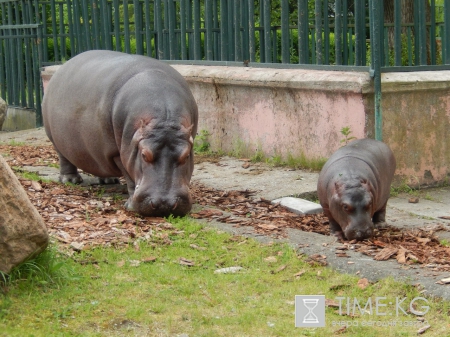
x: 235, y: 195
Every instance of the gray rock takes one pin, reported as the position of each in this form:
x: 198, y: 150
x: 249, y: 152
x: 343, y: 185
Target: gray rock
x: 23, y: 233
x: 299, y: 206
x: 3, y: 110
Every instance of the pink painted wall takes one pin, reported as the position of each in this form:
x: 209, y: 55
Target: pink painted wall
x: 301, y: 112
x: 278, y: 111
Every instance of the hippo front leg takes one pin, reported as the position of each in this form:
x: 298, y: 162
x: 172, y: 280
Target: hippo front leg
x: 379, y: 216
x: 68, y: 173
x: 131, y: 186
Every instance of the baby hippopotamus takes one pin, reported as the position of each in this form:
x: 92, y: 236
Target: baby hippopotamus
x: 112, y: 114
x: 354, y: 187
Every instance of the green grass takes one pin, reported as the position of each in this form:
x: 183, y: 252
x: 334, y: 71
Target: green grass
x: 15, y: 143
x: 28, y: 175
x: 105, y: 292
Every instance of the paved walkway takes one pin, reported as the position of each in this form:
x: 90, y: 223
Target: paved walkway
x: 272, y: 183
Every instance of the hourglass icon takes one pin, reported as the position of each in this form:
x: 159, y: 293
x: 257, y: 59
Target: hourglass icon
x: 310, y: 304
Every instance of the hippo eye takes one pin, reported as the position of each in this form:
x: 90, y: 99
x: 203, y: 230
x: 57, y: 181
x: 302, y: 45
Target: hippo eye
x: 184, y: 156
x: 147, y: 155
x: 347, y: 208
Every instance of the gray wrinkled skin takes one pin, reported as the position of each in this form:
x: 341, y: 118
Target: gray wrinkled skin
x: 113, y: 114
x: 354, y: 187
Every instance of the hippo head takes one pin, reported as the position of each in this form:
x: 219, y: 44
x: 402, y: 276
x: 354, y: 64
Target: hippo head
x: 161, y: 169
x: 352, y: 208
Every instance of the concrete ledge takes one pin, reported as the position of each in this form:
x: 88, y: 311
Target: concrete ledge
x: 300, y: 113
x: 19, y: 119
x: 354, y: 82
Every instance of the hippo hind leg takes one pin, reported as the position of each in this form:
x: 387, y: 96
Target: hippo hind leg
x: 108, y: 181
x: 68, y: 173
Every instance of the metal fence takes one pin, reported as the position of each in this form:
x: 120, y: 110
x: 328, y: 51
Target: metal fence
x: 349, y: 34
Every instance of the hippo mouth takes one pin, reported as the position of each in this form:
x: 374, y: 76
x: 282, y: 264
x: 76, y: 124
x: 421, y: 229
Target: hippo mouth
x: 358, y: 232
x: 162, y: 207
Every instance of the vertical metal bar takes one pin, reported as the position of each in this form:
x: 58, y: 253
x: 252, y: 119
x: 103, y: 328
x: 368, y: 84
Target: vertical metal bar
x: 262, y: 43
x: 147, y: 23
x: 197, y: 36
x: 216, y: 35
x: 11, y: 71
x: 116, y: 6
x: 97, y: 42
x: 326, y: 32
x: 189, y: 29
x: 416, y: 33
x: 245, y: 20
x: 267, y: 40
x: 433, y: 31
x: 446, y: 38
x: 303, y: 32
x: 410, y: 54
x: 422, y: 33
x: 170, y: 19
x: 76, y: 20
x: 360, y: 46
x: 397, y: 33
x: 107, y: 23
x: 62, y: 32
x: 223, y: 30
x: 385, y: 44
x: 86, y: 24
x: 138, y: 27
x: 54, y: 33
x: 376, y: 65
x: 338, y: 32
x: 2, y: 61
x: 209, y: 32
x: 345, y: 31
x: 159, y: 44
x: 19, y: 60
x: 285, y: 44
x: 71, y: 27
x: 45, y: 31
x: 251, y: 30
x: 237, y: 31
x: 318, y: 27
x: 126, y: 27
x: 230, y: 26
x: 183, y: 29
x: 166, y: 42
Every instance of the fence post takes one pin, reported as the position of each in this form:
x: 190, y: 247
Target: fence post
x: 376, y: 63
x: 318, y: 25
x: 285, y: 45
x: 445, y: 40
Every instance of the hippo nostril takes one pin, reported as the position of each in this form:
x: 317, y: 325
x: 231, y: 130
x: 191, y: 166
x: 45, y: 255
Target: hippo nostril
x: 176, y: 204
x: 151, y: 204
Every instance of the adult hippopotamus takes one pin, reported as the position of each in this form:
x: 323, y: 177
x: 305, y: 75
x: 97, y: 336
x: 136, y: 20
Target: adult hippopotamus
x: 354, y: 186
x: 113, y: 114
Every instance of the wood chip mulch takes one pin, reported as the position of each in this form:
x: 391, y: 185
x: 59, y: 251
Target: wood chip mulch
x: 82, y: 217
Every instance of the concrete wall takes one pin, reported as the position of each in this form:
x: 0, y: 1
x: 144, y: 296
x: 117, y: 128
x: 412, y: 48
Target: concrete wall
x: 301, y: 112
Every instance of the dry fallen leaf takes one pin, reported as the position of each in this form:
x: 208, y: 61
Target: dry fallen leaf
x: 423, y: 329
x: 149, y: 259
x: 401, y: 255
x: 363, y: 283
x: 186, y: 262
x: 121, y: 263
x: 385, y: 253
x: 271, y: 259
x: 281, y: 268
x: 331, y: 303
x: 300, y: 273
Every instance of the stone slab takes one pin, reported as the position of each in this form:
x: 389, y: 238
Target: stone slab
x: 299, y: 206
